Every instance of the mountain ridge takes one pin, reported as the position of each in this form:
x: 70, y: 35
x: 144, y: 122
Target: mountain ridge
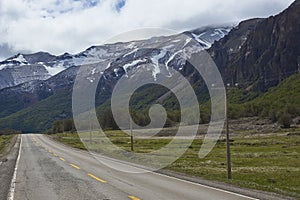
x: 23, y: 68
x: 113, y: 65
x: 230, y: 54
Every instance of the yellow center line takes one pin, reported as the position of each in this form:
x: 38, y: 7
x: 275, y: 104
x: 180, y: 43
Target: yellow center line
x: 55, y: 155
x: 96, y: 178
x: 62, y: 159
x: 75, y: 166
x: 134, y: 198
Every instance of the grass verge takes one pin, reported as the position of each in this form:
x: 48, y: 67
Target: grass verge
x: 269, y: 162
x: 4, y: 141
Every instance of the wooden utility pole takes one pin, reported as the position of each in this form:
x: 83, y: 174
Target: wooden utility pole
x: 131, y: 135
x: 228, y: 157
x: 90, y: 119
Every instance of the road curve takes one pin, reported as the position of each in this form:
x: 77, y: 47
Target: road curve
x: 49, y: 170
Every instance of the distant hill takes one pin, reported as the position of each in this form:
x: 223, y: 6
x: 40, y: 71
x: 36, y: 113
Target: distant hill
x: 259, y: 57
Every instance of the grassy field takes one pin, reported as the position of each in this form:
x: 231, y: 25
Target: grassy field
x: 269, y: 162
x: 4, y: 141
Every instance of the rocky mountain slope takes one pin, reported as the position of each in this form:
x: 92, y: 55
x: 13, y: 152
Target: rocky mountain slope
x: 42, y: 75
x: 265, y: 56
x: 42, y: 66
x: 257, y: 54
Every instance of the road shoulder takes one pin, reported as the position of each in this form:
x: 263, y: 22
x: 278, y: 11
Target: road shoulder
x: 7, y: 165
x: 207, y: 183
x: 262, y: 195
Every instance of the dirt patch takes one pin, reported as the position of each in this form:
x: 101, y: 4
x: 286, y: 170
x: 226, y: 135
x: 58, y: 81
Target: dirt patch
x: 8, y: 147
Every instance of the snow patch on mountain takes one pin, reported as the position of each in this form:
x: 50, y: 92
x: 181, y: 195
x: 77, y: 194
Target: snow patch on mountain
x: 220, y: 32
x: 131, y: 52
x: 108, y: 65
x: 133, y: 63
x: 201, y: 41
x: 91, y: 79
x: 163, y: 52
x: 93, y: 71
x: 187, y: 41
x: 20, y: 58
x: 116, y: 72
x: 3, y: 66
x: 155, y: 60
x: 175, y: 41
x: 54, y: 70
x: 173, y: 56
x: 131, y: 45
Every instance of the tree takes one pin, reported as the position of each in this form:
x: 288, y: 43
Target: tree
x: 285, y: 120
x: 68, y: 125
x: 57, y: 127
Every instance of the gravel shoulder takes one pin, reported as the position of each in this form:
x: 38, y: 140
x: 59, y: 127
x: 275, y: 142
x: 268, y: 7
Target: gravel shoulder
x: 262, y: 195
x: 7, y: 165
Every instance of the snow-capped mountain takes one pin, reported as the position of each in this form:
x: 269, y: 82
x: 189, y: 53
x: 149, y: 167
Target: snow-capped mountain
x: 115, y: 59
x: 256, y: 54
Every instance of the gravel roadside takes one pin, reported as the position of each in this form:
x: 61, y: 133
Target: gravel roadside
x: 7, y: 165
x: 262, y: 195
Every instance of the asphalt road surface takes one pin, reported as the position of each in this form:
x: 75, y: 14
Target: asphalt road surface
x: 48, y: 170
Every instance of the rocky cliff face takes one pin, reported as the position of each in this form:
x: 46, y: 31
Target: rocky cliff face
x: 226, y: 49
x: 257, y: 54
x: 265, y: 54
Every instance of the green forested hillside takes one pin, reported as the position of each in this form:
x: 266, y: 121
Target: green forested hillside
x: 283, y: 99
x: 277, y: 101
x: 40, y: 116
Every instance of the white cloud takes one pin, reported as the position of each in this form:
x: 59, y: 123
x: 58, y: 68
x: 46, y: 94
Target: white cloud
x: 73, y: 25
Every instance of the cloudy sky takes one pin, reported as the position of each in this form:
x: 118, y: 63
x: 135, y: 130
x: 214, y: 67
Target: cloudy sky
x: 59, y: 26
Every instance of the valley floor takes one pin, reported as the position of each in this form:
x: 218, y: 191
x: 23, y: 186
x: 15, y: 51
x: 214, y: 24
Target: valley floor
x: 264, y: 156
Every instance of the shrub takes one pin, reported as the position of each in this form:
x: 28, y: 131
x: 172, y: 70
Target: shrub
x: 285, y: 120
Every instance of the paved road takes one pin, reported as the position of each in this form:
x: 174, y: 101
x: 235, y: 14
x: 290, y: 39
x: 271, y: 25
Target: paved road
x: 50, y: 170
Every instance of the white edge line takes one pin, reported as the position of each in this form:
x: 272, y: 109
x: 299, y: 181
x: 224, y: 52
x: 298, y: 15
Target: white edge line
x: 156, y: 173
x: 209, y: 187
x: 13, y: 181
x: 175, y: 178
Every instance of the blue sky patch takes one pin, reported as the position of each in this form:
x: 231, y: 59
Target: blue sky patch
x: 120, y: 4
